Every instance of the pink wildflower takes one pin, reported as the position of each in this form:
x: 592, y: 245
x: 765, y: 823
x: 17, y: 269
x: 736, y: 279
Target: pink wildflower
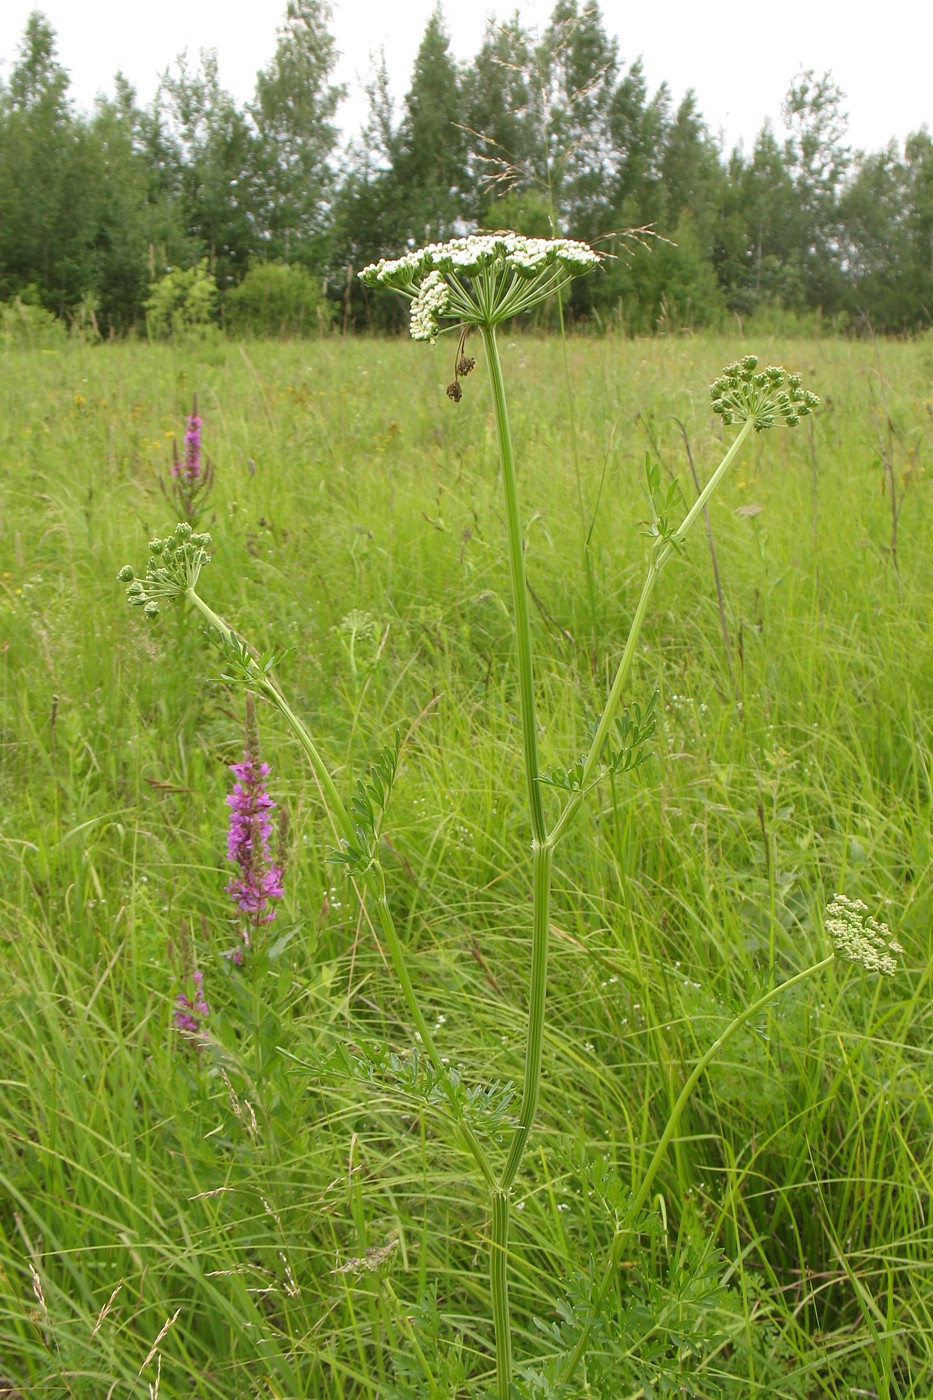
x: 248, y: 840
x: 191, y: 1010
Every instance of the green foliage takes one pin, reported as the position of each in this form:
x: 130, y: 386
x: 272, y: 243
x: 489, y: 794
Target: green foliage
x: 241, y: 1202
x: 368, y: 807
x: 182, y: 304
x: 277, y: 300
x: 209, y: 149
x: 544, y: 133
x: 657, y: 1345
x: 410, y: 1075
x: 294, y: 111
x: 430, y: 175
x: 23, y: 322
x: 632, y: 730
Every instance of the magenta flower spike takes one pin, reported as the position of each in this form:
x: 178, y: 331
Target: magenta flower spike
x: 191, y: 467
x: 259, y: 880
x: 191, y: 1010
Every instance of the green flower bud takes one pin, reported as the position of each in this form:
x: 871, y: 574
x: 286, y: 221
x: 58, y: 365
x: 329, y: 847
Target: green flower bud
x: 741, y: 393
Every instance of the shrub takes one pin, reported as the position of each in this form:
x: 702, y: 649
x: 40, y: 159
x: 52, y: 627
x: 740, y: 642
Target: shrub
x: 277, y: 299
x: 22, y: 322
x: 183, y: 302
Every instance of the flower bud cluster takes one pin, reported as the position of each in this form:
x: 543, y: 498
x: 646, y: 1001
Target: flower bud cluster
x: 744, y: 392
x: 859, y: 937
x: 172, y: 569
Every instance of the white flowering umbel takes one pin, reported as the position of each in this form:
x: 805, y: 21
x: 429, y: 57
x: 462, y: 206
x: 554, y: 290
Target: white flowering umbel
x: 481, y: 280
x: 861, y: 938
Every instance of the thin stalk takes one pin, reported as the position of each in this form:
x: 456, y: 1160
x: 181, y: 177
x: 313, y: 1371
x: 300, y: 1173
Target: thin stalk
x: 534, y: 1047
x: 664, y: 1142
x: 680, y: 533
x: 663, y: 553
x: 499, y: 1288
x: 615, y: 694
x: 720, y: 601
x: 526, y: 687
x: 543, y: 853
x: 268, y: 688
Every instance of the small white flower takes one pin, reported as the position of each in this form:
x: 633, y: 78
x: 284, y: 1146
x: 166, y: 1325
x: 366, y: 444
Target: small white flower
x: 480, y: 280
x: 859, y: 937
x: 428, y: 306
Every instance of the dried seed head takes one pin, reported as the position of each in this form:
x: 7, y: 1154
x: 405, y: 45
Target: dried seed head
x: 454, y: 391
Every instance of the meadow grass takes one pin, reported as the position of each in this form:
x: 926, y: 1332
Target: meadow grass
x: 315, y: 1236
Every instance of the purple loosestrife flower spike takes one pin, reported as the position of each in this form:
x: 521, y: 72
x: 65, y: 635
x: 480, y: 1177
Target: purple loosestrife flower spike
x: 192, y: 463
x: 248, y: 839
x: 191, y: 1010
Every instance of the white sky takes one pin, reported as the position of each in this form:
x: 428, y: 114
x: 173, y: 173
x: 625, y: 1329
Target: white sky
x: 740, y: 68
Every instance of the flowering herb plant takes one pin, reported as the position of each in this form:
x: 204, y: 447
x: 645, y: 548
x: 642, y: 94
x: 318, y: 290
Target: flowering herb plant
x: 259, y: 878
x: 468, y: 284
x: 191, y: 473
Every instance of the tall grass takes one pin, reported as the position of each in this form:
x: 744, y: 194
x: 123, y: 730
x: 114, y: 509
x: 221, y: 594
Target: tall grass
x: 312, y: 1234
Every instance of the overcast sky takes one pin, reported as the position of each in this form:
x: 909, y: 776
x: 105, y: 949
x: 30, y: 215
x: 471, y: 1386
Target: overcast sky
x: 739, y: 67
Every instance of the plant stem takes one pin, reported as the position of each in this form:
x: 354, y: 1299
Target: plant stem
x: 526, y: 687
x: 267, y: 686
x: 499, y: 1288
x: 534, y: 1049
x: 663, y: 552
x: 618, y: 685
x: 542, y: 855
x: 683, y: 528
x: 670, y: 1129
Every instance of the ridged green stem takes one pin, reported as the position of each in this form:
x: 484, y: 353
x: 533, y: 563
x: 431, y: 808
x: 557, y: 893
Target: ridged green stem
x: 661, y: 557
x: 526, y: 685
x: 673, y: 1122
x: 499, y: 1288
x: 543, y: 853
x: 685, y: 525
x: 534, y: 1047
x: 591, y: 761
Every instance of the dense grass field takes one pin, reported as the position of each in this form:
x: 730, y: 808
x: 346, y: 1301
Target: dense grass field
x: 266, y: 1216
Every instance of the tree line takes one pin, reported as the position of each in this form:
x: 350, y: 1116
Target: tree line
x: 545, y: 134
